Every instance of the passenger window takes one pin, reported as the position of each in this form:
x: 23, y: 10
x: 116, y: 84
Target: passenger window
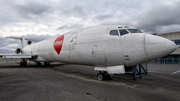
x: 123, y: 31
x: 114, y: 32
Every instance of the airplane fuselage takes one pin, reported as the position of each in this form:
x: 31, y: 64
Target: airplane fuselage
x: 101, y: 46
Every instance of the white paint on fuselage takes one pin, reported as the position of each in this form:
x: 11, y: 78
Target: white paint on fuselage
x: 95, y: 46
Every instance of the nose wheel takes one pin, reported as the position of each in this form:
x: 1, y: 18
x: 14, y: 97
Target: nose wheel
x: 103, y: 76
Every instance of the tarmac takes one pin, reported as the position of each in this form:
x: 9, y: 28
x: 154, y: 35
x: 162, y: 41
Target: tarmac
x: 68, y: 82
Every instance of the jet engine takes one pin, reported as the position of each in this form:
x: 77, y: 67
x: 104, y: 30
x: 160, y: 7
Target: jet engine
x: 29, y: 42
x: 18, y: 51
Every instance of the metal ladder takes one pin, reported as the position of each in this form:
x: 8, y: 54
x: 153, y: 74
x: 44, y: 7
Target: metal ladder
x: 140, y: 69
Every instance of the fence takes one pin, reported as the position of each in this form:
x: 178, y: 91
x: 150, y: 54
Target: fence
x: 167, y: 61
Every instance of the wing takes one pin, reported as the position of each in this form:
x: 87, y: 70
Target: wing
x: 22, y: 56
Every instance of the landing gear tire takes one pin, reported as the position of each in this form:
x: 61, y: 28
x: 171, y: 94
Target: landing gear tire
x: 100, y: 76
x: 46, y: 63
x: 108, y: 77
x: 23, y: 63
x: 39, y: 64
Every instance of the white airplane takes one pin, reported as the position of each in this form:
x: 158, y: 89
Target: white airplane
x: 109, y: 48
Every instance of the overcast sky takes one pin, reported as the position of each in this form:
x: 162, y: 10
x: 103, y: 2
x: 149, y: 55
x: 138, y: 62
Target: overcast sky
x: 41, y: 19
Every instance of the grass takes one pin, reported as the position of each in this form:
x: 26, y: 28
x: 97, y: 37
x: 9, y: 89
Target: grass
x: 2, y: 58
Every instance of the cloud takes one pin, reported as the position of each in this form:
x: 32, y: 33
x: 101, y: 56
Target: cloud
x: 27, y: 9
x: 158, y: 17
x: 53, y: 17
x: 75, y: 26
x: 5, y: 42
x: 76, y: 11
x: 10, y: 45
x: 169, y: 28
x: 7, y: 50
x: 37, y: 38
x: 22, y: 17
x: 103, y: 16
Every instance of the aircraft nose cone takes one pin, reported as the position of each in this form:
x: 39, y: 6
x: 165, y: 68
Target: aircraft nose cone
x: 156, y: 47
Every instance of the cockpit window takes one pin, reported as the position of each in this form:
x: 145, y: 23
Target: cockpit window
x: 134, y: 31
x: 126, y: 27
x: 114, y: 32
x: 123, y: 31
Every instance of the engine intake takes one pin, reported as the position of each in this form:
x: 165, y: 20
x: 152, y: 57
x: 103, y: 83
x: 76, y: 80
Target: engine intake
x: 29, y: 42
x: 18, y: 51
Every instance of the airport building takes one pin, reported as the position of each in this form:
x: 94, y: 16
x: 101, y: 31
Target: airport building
x: 173, y: 58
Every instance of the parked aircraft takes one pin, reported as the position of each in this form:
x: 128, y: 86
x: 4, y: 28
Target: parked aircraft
x: 110, y: 48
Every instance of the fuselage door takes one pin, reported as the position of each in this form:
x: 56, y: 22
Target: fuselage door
x: 114, y: 48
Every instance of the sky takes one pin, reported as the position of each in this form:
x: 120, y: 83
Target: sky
x: 42, y: 19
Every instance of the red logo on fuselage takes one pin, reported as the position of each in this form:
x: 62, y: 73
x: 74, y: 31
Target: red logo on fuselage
x: 58, y: 44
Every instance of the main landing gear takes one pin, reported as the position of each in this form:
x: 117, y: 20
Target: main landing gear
x: 39, y: 63
x: 103, y: 76
x: 23, y: 62
x: 45, y: 63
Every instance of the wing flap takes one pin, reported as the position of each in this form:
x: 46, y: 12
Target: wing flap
x: 22, y: 56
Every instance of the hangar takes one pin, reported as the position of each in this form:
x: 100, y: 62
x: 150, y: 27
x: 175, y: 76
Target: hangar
x: 173, y: 58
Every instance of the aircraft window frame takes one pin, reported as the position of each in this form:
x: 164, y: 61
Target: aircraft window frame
x: 114, y: 33
x: 126, y: 26
x: 134, y: 30
x: 124, y: 32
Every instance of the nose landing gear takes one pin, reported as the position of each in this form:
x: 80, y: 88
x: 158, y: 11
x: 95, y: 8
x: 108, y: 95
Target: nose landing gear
x: 103, y: 76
